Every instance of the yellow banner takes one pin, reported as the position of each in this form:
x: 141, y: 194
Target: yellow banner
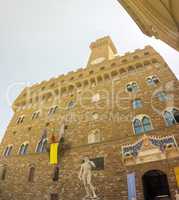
x: 54, y: 153
x: 177, y: 175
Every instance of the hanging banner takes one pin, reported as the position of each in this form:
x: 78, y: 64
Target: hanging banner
x: 131, y: 186
x: 54, y: 153
x: 177, y: 175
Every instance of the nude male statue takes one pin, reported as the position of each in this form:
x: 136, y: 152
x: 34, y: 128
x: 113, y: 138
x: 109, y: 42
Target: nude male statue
x: 85, y: 175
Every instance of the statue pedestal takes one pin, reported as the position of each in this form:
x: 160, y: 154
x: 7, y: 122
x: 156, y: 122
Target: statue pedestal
x: 91, y: 198
x: 177, y: 196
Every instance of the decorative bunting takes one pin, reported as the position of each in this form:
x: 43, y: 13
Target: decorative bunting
x: 160, y: 142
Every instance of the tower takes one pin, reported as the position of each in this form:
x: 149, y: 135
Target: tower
x: 102, y: 50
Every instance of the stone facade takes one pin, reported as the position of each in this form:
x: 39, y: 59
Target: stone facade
x: 97, y: 111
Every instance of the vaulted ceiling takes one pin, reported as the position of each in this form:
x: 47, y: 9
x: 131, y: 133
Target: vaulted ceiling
x: 159, y: 18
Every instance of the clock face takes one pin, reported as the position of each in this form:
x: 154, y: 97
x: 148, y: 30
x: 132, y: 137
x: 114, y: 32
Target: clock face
x: 98, y: 60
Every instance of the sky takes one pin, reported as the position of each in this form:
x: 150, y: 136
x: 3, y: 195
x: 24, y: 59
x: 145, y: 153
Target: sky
x: 40, y: 39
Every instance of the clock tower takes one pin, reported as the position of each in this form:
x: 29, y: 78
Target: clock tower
x: 102, y: 50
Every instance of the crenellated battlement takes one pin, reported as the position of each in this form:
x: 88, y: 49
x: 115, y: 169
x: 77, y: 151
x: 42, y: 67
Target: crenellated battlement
x: 82, y: 78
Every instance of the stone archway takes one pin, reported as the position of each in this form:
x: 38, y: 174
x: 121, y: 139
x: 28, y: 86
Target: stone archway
x: 155, y: 185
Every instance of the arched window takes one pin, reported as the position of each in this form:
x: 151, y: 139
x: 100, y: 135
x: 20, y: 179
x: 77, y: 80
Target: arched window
x: 71, y: 104
x: 31, y: 174
x: 54, y: 196
x: 23, y: 149
x: 39, y: 146
x: 20, y: 119
x: 6, y: 151
x: 132, y: 87
x: 146, y: 124
x: 176, y: 115
x: 138, y: 126
x: 162, y: 96
x: 4, y: 172
x: 35, y: 115
x: 52, y: 110
x: 56, y: 174
x: 142, y: 124
x: 129, y: 88
x: 42, y: 146
x: 152, y: 80
x: 137, y: 103
x: 171, y: 116
x: 9, y: 151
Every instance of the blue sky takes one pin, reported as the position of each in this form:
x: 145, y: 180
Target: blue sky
x: 40, y: 39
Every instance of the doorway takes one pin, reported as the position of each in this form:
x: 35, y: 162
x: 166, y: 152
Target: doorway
x: 155, y: 185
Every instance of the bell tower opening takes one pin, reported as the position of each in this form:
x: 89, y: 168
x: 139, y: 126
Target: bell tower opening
x: 155, y: 185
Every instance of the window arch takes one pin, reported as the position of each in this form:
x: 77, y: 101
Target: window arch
x: 71, y: 104
x: 8, y: 150
x: 132, y: 87
x: 52, y: 110
x: 137, y: 126
x: 56, y: 174
x: 162, y: 96
x: 23, y: 149
x: 42, y: 146
x: 176, y: 115
x: 5, y: 151
x: 3, y: 172
x: 31, y: 174
x: 20, y: 119
x: 142, y: 124
x: 171, y: 116
x: 136, y: 103
x: 35, y: 115
x: 146, y: 124
x: 152, y: 80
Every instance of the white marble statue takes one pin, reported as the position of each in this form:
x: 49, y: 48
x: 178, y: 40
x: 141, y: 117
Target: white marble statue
x: 85, y: 176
